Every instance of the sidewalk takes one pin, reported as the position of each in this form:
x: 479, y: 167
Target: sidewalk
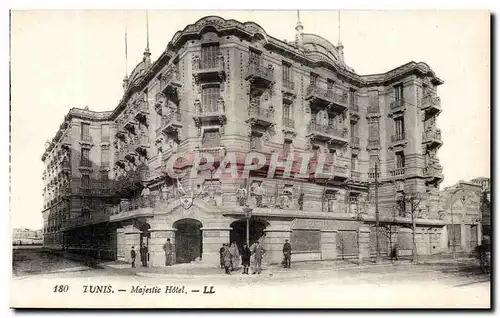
x: 199, y: 269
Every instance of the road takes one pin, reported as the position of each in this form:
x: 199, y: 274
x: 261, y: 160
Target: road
x: 446, y: 285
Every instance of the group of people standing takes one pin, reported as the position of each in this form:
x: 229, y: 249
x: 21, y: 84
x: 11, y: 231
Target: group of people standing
x: 143, y: 252
x: 250, y: 257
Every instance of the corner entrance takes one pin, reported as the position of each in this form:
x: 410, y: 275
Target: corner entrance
x: 239, y: 231
x: 188, y: 240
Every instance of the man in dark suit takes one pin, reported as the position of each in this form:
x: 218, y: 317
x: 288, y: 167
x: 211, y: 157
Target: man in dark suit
x: 132, y: 256
x: 287, y: 253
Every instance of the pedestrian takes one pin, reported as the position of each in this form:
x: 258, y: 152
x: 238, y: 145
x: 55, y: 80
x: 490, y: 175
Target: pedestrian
x: 144, y: 255
x: 258, y: 252
x: 132, y: 256
x: 287, y: 253
x: 168, y: 252
x: 227, y: 260
x: 235, y: 255
x: 221, y: 255
x: 245, y: 258
x: 395, y: 252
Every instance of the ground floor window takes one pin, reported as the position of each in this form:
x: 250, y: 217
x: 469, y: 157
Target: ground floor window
x: 306, y: 240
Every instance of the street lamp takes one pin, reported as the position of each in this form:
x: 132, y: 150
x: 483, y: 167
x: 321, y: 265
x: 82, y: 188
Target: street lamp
x: 248, y: 216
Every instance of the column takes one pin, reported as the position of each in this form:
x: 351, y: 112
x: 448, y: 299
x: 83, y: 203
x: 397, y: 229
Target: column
x: 273, y: 243
x: 157, y: 256
x: 213, y: 238
x: 120, y: 245
x: 479, y: 233
x: 328, y: 244
x: 363, y: 243
x: 132, y: 238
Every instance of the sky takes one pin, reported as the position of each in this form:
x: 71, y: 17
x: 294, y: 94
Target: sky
x: 64, y: 59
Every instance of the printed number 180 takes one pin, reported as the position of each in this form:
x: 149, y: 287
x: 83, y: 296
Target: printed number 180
x: 61, y: 288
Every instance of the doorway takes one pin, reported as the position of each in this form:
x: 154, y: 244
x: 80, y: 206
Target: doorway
x: 239, y: 231
x: 188, y: 240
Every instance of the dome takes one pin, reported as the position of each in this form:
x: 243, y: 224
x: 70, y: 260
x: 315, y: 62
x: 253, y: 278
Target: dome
x: 137, y: 73
x: 319, y: 45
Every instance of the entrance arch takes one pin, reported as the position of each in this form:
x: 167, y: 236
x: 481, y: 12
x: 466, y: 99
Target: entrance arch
x: 239, y: 231
x: 188, y: 240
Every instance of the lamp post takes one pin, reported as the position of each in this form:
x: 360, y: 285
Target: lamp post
x: 248, y: 216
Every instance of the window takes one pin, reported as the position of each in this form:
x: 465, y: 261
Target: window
x: 85, y: 182
x: 354, y: 162
x: 332, y: 156
x: 210, y: 95
x: 85, y: 129
x: 399, y: 128
x: 454, y: 234
x: 313, y: 79
x: 316, y: 152
x: 105, y: 133
x: 85, y: 158
x: 352, y: 97
x: 373, y: 161
x: 401, y: 204
x: 209, y: 55
x: 287, y: 73
x: 287, y: 116
x: 373, y: 130
x: 306, y: 240
x: 254, y: 57
x: 105, y: 156
x: 400, y: 160
x: 398, y: 93
x: 354, y: 130
x: 287, y: 145
x: 255, y: 142
x: 211, y: 138
x: 329, y: 84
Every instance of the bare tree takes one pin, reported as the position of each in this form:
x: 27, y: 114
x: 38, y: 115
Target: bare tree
x: 414, y: 200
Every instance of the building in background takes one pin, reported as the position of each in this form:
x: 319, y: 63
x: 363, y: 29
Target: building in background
x: 25, y: 236
x: 220, y: 87
x: 485, y: 205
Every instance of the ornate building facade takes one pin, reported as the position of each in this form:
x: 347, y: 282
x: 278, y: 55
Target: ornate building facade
x: 225, y: 87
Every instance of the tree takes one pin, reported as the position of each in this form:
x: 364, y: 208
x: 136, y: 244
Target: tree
x: 414, y: 200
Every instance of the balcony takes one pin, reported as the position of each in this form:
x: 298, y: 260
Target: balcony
x: 336, y: 170
x: 93, y: 190
x: 141, y: 111
x: 432, y: 138
x: 170, y: 123
x: 260, y: 75
x: 218, y: 153
x: 373, y: 144
x: 355, y: 175
x: 86, y: 140
x: 210, y: 113
x: 130, y: 209
x: 85, y: 165
x: 209, y: 70
x: 66, y: 166
x: 372, y: 174
x: 398, y: 139
x: 397, y: 105
x: 104, y: 166
x: 258, y: 116
x: 288, y: 91
x: 319, y: 96
x: 170, y: 82
x: 433, y: 173
x: 398, y: 172
x: 355, y: 143
x: 431, y: 104
x: 327, y: 133
x: 141, y: 143
x: 288, y: 125
x: 130, y: 125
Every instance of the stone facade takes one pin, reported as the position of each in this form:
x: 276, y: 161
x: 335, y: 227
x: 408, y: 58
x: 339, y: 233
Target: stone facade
x: 225, y: 87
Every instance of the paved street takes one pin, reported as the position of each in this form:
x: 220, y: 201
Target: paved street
x: 442, y: 284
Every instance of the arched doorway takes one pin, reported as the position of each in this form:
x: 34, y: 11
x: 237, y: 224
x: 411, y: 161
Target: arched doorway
x: 239, y: 231
x: 188, y: 240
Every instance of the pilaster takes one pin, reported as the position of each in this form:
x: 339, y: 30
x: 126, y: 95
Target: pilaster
x: 328, y: 244
x: 157, y: 256
x: 213, y: 238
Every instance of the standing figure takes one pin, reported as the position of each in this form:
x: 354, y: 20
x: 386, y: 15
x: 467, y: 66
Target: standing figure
x: 395, y: 252
x: 287, y: 253
x: 168, y: 253
x: 227, y: 260
x: 245, y: 258
x: 235, y: 255
x: 221, y: 255
x: 132, y: 256
x: 258, y: 253
x: 144, y: 255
